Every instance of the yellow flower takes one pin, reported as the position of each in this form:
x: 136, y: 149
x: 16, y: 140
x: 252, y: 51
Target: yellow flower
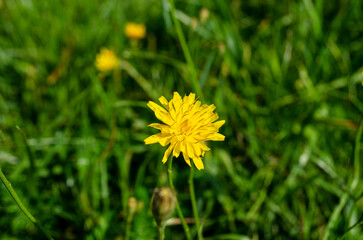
x: 106, y: 60
x: 135, y: 31
x: 187, y: 126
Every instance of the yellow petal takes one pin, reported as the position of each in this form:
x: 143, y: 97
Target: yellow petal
x: 160, y: 113
x: 177, y: 101
x: 185, y: 99
x: 165, y: 141
x: 195, y: 108
x: 210, y: 108
x: 186, y: 158
x: 155, y: 107
x: 198, y: 163
x: 158, y: 125
x: 173, y: 113
x: 185, y: 108
x: 219, y: 124
x: 214, y: 117
x: 167, y: 153
x: 153, y: 139
x: 203, y: 146
x: 176, y: 151
x: 183, y: 148
x: 216, y: 137
x: 190, y: 150
x: 197, y: 150
x: 191, y: 98
x: 191, y: 139
x: 164, y: 102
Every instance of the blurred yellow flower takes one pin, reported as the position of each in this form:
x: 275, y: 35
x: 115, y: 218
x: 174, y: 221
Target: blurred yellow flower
x: 135, y: 31
x: 187, y: 126
x: 106, y: 60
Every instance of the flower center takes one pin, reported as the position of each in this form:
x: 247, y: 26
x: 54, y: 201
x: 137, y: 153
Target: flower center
x: 180, y: 129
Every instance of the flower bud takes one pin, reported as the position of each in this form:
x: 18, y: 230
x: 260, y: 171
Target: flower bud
x: 203, y: 15
x: 163, y: 204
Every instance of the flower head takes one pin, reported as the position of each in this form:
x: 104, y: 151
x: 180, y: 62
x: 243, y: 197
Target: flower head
x: 106, y: 60
x: 135, y: 31
x: 187, y: 125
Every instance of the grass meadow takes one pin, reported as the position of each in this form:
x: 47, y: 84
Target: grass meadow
x: 286, y: 76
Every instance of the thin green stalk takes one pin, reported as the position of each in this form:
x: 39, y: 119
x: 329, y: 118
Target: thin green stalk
x: 161, y: 234
x: 33, y: 188
x: 128, y: 226
x: 186, y: 51
x: 170, y: 178
x: 21, y: 205
x: 194, y: 204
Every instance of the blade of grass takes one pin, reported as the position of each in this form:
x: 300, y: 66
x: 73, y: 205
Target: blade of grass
x: 343, y: 200
x: 186, y: 51
x: 143, y: 83
x: 314, y: 17
x: 21, y: 205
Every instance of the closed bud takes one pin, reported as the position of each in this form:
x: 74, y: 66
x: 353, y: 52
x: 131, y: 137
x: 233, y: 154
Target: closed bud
x: 163, y: 204
x: 203, y: 15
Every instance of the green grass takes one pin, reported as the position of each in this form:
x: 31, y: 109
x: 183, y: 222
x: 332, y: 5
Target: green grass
x: 285, y: 75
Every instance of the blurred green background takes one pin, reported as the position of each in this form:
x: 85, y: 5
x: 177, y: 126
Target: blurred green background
x: 285, y: 75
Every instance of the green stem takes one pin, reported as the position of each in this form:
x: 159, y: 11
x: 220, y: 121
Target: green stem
x: 128, y: 226
x: 194, y: 204
x: 170, y: 177
x: 186, y: 51
x: 21, y: 205
x: 161, y: 234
